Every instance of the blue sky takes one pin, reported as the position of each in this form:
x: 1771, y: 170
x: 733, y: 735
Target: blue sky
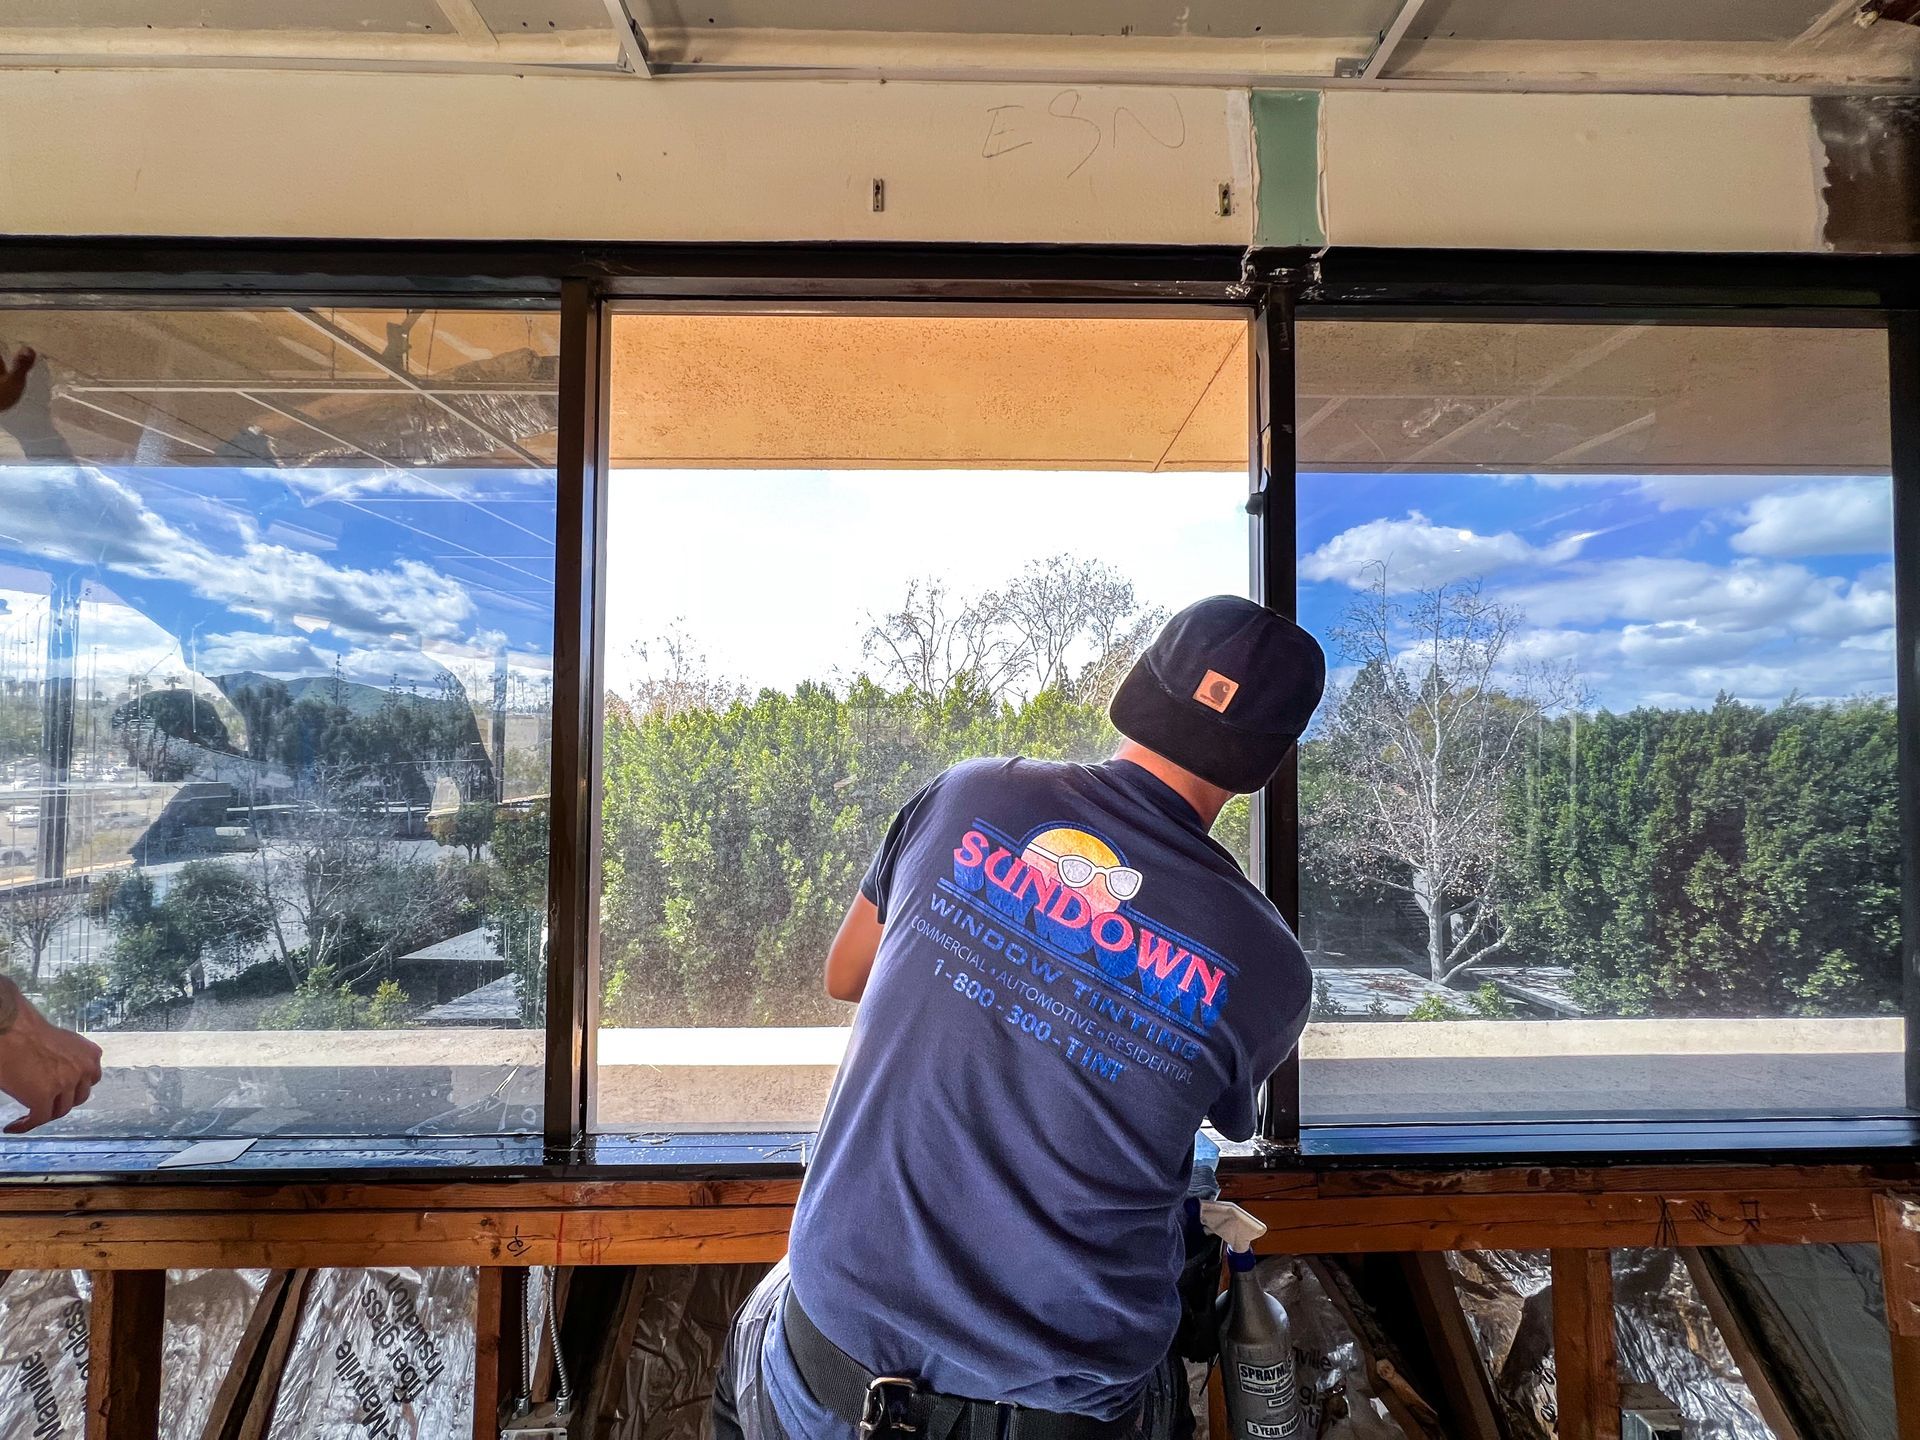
x: 1661, y: 590
x: 285, y: 571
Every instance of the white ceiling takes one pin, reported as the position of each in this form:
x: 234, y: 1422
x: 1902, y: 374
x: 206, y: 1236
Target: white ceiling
x: 1705, y: 46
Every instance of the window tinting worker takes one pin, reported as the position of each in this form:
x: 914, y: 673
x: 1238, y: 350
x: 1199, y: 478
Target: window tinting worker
x: 1060, y: 975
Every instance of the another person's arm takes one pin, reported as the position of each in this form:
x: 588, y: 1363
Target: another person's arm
x: 47, y: 1069
x: 850, y: 957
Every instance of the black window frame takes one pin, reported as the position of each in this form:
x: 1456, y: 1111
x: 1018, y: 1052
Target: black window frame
x: 1274, y: 287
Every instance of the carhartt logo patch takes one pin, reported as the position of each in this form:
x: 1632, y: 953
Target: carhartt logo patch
x: 1216, y: 691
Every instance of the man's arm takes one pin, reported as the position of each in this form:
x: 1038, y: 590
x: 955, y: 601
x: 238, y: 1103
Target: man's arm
x: 850, y: 957
x: 47, y: 1069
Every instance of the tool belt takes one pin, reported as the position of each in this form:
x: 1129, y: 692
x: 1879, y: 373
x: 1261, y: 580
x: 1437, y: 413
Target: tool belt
x: 889, y: 1405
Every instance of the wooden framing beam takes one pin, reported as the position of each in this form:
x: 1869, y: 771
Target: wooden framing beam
x: 1586, y: 1372
x: 1464, y: 1380
x: 231, y: 1400
x: 500, y: 1298
x: 125, y: 1324
x: 256, y: 1417
x: 1898, y: 1219
x: 1767, y: 1397
x: 622, y: 1222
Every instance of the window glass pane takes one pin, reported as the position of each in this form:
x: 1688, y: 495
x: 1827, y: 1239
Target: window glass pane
x: 1600, y: 817
x: 276, y: 627
x: 849, y: 551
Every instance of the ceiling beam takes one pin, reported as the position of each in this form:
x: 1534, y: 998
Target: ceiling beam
x: 633, y: 40
x: 380, y: 362
x: 467, y: 21
x: 1390, y: 38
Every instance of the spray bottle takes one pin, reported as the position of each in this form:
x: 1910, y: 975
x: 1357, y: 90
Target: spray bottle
x: 1256, y: 1342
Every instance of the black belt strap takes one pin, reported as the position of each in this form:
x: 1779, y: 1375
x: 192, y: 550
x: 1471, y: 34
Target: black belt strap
x: 891, y: 1406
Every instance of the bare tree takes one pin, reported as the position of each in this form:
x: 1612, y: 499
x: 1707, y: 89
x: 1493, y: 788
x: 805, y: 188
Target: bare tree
x: 1423, y: 745
x: 1057, y: 602
x: 676, y: 677
x: 339, y: 894
x: 1103, y: 674
x: 934, y: 640
x: 32, y: 914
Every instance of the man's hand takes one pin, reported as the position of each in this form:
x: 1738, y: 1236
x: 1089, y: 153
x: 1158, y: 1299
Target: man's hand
x: 47, y: 1069
x: 13, y: 377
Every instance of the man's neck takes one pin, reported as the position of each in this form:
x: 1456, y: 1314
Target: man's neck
x: 1205, y: 797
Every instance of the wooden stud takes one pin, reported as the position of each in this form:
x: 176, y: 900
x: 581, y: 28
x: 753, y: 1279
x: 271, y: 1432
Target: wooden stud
x: 497, y: 1356
x: 257, y: 1419
x: 486, y: 1349
x: 243, y: 1374
x: 1462, y: 1369
x: 1586, y: 1374
x: 126, y: 1322
x: 1899, y: 1229
x: 1767, y: 1396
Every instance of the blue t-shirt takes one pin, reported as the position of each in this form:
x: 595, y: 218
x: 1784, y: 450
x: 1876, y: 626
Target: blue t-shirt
x: 1072, y: 976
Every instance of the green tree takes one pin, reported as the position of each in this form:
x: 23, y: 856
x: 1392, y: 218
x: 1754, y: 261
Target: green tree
x: 470, y: 827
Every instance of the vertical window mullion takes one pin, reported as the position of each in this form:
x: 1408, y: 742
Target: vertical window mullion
x: 1271, y: 460
x: 573, y: 947
x: 1903, y: 386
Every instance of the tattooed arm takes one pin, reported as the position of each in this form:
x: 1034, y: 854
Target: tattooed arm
x: 43, y: 1067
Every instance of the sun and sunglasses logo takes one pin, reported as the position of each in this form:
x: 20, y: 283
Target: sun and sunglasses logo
x: 1086, y: 864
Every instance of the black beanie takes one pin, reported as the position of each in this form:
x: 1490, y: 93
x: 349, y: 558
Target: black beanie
x: 1224, y: 690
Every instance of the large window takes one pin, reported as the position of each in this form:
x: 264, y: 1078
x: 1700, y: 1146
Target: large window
x: 1601, y: 815
x: 276, y: 619
x: 848, y: 551
x: 1600, y: 820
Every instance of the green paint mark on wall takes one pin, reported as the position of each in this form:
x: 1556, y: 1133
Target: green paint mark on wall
x: 1286, y: 149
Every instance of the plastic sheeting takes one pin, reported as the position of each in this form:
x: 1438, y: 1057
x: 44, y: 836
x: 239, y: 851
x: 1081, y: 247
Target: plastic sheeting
x: 43, y: 1357
x: 1505, y: 1294
x: 1818, y: 1313
x: 684, y: 1314
x: 1338, y: 1394
x: 381, y: 1355
x: 207, y: 1314
x: 1665, y: 1336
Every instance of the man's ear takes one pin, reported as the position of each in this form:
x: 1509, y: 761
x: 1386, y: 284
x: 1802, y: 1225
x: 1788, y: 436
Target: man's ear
x: 13, y: 377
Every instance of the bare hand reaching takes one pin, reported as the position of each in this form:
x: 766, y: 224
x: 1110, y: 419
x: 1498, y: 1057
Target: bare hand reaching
x: 47, y: 1069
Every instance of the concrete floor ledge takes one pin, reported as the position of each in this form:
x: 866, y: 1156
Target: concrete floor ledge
x: 823, y: 1045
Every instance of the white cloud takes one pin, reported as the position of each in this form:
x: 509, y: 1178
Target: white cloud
x: 1417, y: 553
x: 86, y: 517
x: 1748, y: 594
x: 1687, y: 642
x: 1674, y: 492
x: 281, y: 655
x: 1836, y: 517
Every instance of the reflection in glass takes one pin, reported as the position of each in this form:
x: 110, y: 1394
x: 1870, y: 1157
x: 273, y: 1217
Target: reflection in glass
x: 1610, y: 741
x: 275, y: 638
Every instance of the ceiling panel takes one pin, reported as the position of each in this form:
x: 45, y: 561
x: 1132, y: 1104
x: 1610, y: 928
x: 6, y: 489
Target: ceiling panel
x: 733, y: 391
x: 1649, y: 399
x: 1203, y: 19
x: 531, y: 16
x: 1620, y: 20
x: 349, y: 17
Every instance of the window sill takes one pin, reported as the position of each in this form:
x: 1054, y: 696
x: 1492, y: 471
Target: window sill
x: 782, y: 1154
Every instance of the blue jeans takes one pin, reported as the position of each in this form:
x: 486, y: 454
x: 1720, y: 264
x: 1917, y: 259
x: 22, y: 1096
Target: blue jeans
x: 758, y: 1393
